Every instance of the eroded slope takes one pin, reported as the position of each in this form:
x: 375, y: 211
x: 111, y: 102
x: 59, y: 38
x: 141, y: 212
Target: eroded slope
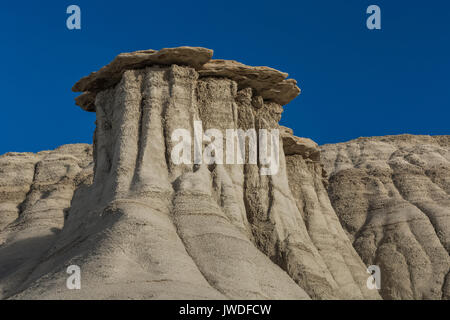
x: 392, y: 197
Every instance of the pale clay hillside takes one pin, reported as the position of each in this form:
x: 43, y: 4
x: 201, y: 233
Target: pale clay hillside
x: 141, y: 227
x: 391, y: 195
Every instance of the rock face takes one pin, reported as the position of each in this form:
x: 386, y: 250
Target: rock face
x: 338, y: 266
x: 149, y: 228
x: 392, y: 197
x: 36, y: 191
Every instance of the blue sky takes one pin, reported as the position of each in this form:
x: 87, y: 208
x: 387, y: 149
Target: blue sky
x: 355, y: 82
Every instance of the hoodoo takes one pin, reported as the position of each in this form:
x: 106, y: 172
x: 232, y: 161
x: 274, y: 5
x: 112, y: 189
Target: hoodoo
x: 149, y: 228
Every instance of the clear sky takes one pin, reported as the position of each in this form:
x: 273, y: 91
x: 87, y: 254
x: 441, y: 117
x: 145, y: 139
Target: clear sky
x: 355, y: 82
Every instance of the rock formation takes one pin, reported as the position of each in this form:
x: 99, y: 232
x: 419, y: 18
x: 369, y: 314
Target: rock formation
x: 268, y: 83
x: 140, y: 226
x: 36, y: 191
x: 392, y: 197
x: 148, y: 228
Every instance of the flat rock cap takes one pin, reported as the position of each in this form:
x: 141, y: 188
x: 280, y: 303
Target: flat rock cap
x: 293, y: 145
x: 270, y: 84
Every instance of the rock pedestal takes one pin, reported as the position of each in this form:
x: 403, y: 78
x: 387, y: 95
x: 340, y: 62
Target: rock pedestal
x: 149, y: 228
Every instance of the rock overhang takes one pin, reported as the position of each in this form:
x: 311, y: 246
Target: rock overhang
x: 271, y: 84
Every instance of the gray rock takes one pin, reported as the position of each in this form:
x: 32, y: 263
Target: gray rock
x: 392, y: 197
x: 36, y: 192
x: 141, y: 227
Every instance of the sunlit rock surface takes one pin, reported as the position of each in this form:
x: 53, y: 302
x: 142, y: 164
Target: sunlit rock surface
x: 140, y: 226
x: 391, y: 195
